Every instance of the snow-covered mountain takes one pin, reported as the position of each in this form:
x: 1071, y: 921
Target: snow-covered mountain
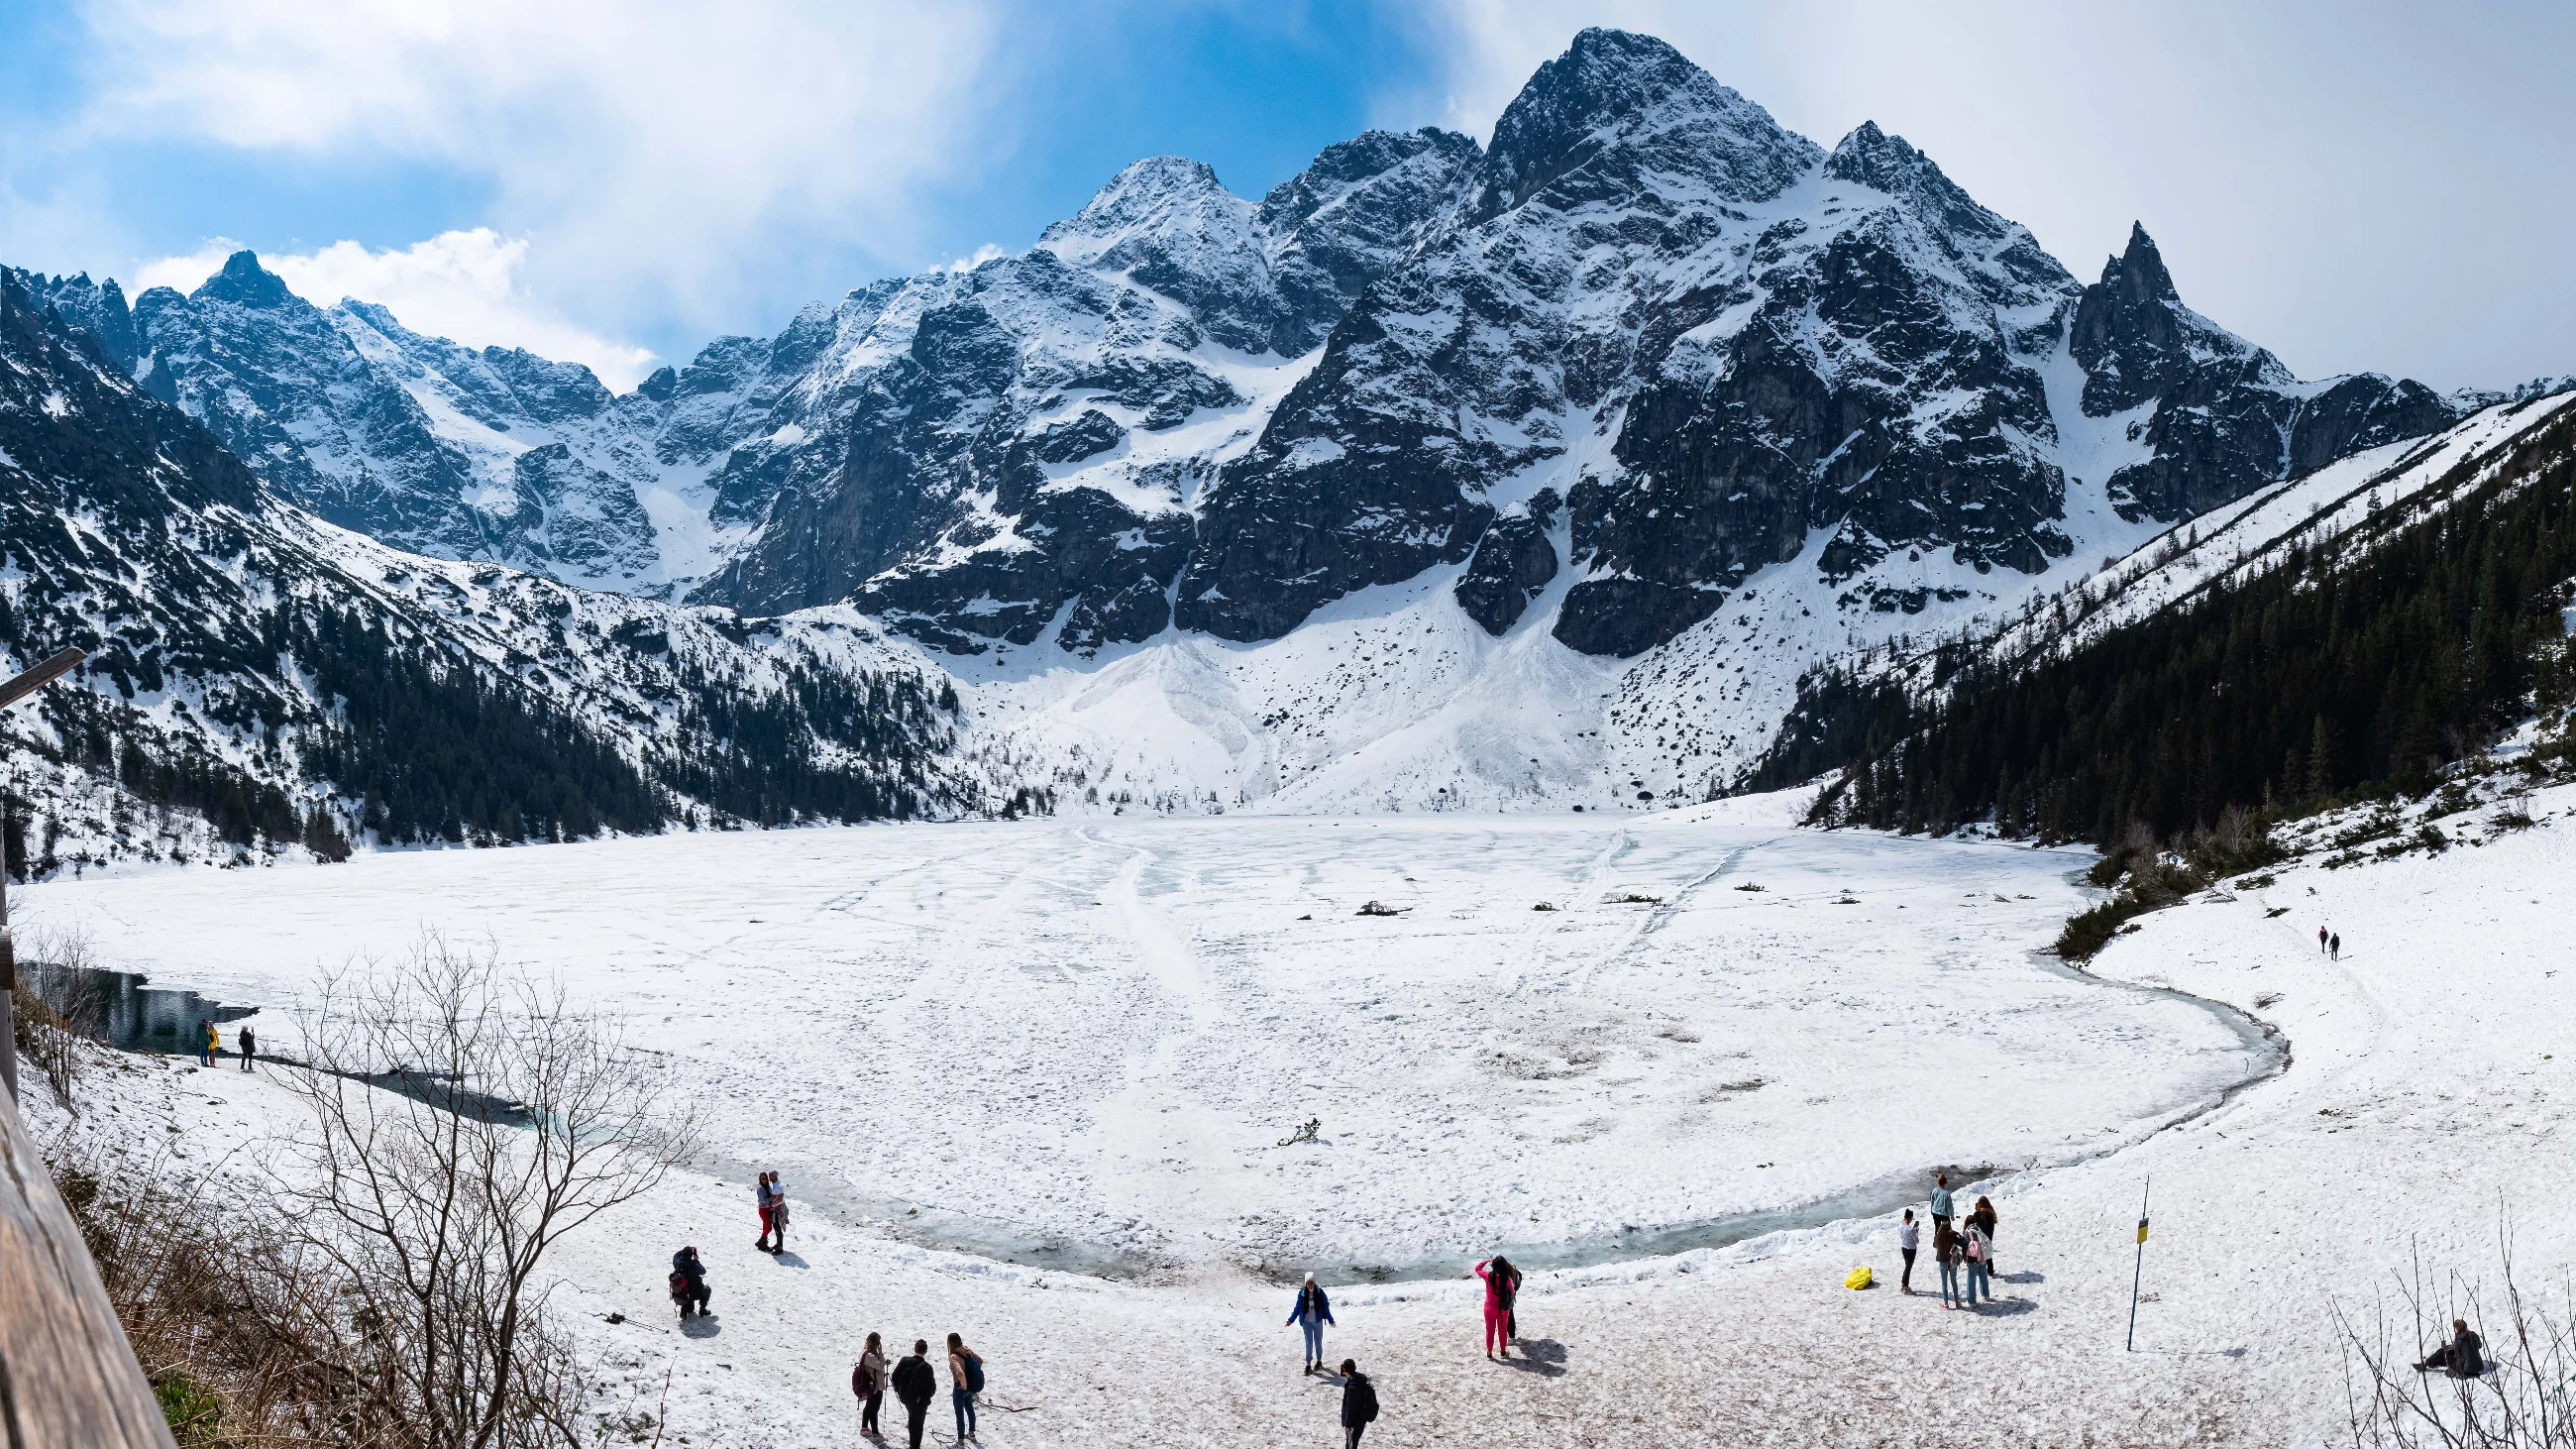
x: 261, y: 679
x: 1590, y: 440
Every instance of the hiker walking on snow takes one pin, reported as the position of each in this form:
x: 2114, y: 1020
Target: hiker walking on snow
x: 1359, y: 1403
x: 915, y: 1386
x: 965, y: 1381
x: 249, y: 1047
x: 1502, y: 1287
x: 868, y: 1381
x: 2321, y: 940
x: 1909, y: 1236
x: 1312, y: 1311
x: 2334, y: 946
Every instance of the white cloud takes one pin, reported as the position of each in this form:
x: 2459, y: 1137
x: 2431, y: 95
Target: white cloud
x: 989, y: 251
x: 635, y: 149
x: 461, y: 285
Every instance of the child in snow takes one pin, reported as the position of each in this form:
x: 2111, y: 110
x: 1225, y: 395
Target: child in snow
x: 1312, y: 1311
x: 1502, y: 1287
x: 1909, y: 1235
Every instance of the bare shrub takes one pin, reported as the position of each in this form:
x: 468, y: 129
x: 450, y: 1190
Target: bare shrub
x: 465, y: 1121
x: 2524, y: 1399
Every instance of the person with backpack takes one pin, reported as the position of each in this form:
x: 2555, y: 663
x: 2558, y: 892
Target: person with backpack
x: 689, y: 1283
x: 1909, y: 1236
x: 965, y: 1381
x: 1312, y: 1311
x: 1983, y: 1216
x: 1502, y: 1289
x: 1359, y: 1403
x: 868, y: 1382
x: 2321, y: 940
x: 1945, y: 1257
x: 1972, y: 1248
x: 914, y: 1385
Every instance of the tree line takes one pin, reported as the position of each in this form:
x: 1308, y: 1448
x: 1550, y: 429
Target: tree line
x: 2356, y: 667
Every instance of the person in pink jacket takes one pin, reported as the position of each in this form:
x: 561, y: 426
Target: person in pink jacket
x: 1502, y: 1286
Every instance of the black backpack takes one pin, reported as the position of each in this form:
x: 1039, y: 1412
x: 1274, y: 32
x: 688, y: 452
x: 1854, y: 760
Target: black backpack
x: 1364, y: 1401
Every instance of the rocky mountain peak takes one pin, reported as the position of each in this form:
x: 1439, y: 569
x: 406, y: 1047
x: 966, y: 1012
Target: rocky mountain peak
x: 2136, y: 340
x: 1150, y: 202
x: 1612, y: 89
x: 244, y: 283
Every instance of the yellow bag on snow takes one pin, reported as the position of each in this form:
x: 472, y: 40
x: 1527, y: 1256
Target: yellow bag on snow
x: 1859, y: 1278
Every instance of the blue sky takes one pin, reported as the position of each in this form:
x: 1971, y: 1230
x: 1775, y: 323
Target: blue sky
x: 2355, y: 185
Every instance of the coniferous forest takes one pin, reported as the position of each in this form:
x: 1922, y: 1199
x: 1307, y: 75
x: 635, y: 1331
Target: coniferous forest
x: 2360, y: 667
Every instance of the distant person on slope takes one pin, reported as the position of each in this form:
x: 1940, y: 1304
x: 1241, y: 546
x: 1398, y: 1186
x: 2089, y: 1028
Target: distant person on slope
x: 2464, y: 1357
x: 249, y: 1046
x: 1312, y: 1311
x: 766, y: 1197
x: 1941, y: 1197
x: 689, y: 1282
x: 965, y: 1381
x: 868, y: 1381
x: 1982, y: 1217
x: 2334, y: 946
x: 1909, y: 1236
x: 914, y: 1385
x: 777, y: 1214
x: 1945, y: 1257
x: 1359, y: 1403
x: 2321, y: 940
x: 1502, y: 1288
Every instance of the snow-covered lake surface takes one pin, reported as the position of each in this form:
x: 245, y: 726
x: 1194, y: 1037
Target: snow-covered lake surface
x: 867, y: 1025
x: 1082, y: 1045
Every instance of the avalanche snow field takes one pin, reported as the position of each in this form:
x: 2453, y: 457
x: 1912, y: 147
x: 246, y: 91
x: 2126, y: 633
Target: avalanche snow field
x: 1087, y: 1044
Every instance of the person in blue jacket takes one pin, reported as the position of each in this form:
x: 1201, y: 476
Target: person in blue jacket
x: 1312, y: 1311
x: 1940, y: 1197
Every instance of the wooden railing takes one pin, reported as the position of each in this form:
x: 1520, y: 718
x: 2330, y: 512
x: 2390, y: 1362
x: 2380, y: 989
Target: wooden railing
x: 68, y: 1379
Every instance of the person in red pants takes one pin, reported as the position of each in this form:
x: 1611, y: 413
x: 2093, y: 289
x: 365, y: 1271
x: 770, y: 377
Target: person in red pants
x: 1502, y: 1286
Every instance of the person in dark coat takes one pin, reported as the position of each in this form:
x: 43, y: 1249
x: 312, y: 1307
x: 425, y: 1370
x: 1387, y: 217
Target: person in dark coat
x: 249, y: 1046
x: 2464, y: 1357
x: 689, y: 1282
x: 915, y: 1385
x: 1359, y: 1403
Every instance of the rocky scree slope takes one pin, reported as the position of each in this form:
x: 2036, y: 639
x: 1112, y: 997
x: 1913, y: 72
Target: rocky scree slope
x: 260, y: 679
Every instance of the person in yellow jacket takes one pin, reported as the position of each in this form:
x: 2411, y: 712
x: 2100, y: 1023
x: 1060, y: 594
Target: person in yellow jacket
x: 212, y: 1044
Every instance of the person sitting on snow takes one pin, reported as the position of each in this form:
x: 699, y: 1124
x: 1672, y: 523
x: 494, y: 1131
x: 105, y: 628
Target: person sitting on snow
x: 2461, y: 1358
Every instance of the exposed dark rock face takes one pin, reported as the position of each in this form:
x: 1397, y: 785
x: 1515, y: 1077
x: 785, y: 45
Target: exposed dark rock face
x: 1725, y: 347
x: 1512, y: 562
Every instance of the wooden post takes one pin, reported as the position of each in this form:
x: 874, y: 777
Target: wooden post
x: 67, y: 1375
x: 12, y: 691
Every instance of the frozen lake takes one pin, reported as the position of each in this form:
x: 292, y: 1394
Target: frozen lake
x: 1083, y: 1043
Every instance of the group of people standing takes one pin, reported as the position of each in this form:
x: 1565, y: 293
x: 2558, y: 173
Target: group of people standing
x: 210, y: 1042
x: 1962, y: 1248
x: 915, y: 1385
